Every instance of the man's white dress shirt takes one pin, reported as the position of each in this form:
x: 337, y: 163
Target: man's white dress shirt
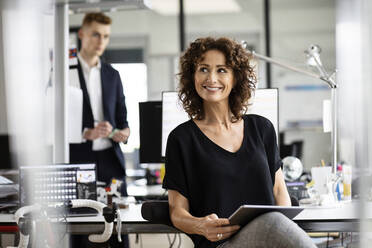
x: 92, y: 76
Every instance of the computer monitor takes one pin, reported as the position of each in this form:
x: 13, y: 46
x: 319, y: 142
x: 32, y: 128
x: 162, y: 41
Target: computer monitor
x: 173, y: 115
x: 150, y: 118
x: 264, y: 103
x: 5, y: 158
x: 57, y: 183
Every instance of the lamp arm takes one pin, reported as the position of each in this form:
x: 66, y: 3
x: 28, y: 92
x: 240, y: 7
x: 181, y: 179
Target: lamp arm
x: 324, y: 77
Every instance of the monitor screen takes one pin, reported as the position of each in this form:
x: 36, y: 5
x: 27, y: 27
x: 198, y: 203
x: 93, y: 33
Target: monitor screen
x: 57, y: 183
x: 150, y: 132
x: 173, y: 115
x: 5, y: 158
x: 264, y: 103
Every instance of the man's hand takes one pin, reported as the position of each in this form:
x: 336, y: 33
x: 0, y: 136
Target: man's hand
x: 104, y: 129
x: 101, y: 130
x: 121, y: 135
x: 215, y: 229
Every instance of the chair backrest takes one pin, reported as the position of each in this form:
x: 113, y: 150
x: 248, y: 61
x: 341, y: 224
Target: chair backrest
x: 156, y: 212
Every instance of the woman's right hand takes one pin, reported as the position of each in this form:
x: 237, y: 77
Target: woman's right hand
x: 216, y: 229
x: 210, y: 226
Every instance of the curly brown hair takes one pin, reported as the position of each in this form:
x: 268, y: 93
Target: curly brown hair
x: 236, y: 57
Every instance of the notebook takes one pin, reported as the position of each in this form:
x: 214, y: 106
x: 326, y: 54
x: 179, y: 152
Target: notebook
x: 58, y: 183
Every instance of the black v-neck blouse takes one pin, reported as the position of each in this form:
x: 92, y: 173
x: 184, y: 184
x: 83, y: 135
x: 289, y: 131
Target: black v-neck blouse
x: 218, y: 181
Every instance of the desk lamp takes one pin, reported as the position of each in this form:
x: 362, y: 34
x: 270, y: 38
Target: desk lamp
x: 313, y: 59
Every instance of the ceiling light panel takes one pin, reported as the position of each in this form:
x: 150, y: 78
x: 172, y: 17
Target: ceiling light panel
x: 195, y: 7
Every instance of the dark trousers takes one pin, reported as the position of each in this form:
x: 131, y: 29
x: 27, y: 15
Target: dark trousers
x: 108, y: 167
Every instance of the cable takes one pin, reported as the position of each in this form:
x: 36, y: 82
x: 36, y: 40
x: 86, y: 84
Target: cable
x: 179, y: 240
x: 63, y: 220
x: 174, y: 241
x: 141, y: 244
x: 169, y: 241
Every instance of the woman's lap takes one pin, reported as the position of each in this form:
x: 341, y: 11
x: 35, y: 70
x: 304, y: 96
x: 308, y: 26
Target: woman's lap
x: 270, y: 230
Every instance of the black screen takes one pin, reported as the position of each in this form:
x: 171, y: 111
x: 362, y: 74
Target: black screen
x: 5, y: 158
x: 150, y: 114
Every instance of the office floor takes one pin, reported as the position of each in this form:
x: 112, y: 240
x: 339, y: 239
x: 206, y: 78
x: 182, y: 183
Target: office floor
x: 161, y: 241
x: 158, y: 241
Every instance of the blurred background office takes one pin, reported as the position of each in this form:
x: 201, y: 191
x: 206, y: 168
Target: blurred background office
x: 145, y: 46
x: 147, y: 39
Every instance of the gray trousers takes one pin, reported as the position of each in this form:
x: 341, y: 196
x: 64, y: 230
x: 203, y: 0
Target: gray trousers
x: 272, y: 230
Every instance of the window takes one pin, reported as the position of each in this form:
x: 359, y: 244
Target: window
x: 134, y: 79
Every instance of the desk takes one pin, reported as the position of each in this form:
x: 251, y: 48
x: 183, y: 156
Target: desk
x: 343, y: 218
x: 146, y: 191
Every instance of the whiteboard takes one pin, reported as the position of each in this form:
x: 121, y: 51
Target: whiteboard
x: 264, y: 103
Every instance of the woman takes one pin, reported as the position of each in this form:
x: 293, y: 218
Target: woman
x: 221, y: 159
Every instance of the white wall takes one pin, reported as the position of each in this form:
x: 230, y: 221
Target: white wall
x: 26, y: 31
x: 3, y: 104
x: 162, y: 32
x: 354, y: 58
x: 354, y: 62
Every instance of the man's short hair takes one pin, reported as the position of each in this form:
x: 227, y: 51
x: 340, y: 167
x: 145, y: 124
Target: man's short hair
x: 96, y: 17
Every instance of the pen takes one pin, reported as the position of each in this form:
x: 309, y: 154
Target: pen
x: 322, y: 162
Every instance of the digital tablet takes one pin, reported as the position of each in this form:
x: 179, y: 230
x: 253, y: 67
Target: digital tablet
x: 246, y: 213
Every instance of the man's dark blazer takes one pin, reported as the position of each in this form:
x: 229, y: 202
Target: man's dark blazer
x: 114, y: 111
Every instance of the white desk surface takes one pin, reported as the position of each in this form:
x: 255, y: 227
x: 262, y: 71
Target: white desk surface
x: 347, y: 210
x: 133, y: 214
x: 135, y: 190
x: 343, y: 218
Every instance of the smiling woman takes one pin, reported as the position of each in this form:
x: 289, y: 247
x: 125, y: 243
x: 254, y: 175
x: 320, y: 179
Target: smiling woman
x: 214, y: 62
x: 222, y: 158
x: 214, y: 80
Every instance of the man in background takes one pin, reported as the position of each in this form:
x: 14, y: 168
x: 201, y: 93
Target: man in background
x: 104, y: 112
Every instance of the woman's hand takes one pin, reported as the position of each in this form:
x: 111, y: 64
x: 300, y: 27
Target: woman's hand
x: 216, y: 229
x: 210, y: 226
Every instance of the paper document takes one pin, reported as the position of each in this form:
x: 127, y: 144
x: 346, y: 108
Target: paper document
x: 75, y: 115
x: 4, y: 180
x: 73, y: 78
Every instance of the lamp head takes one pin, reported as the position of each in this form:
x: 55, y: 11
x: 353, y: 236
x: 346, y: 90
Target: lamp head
x: 313, y: 55
x: 313, y: 50
x: 244, y: 44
